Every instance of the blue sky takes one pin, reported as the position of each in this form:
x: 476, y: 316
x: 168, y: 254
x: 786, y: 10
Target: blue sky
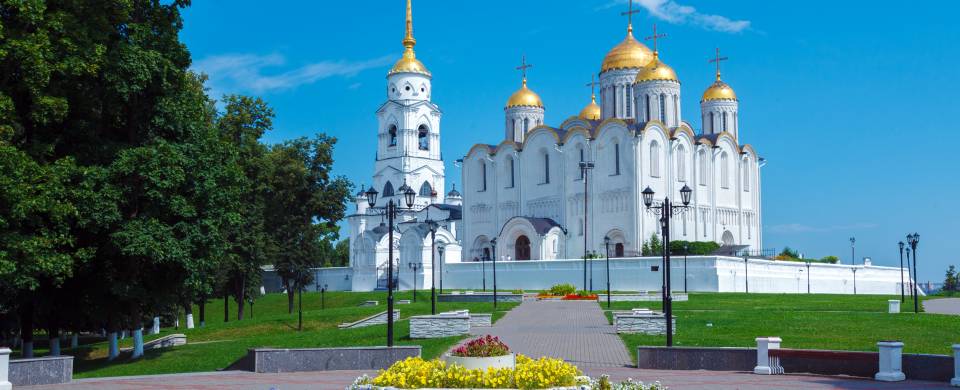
x: 848, y: 102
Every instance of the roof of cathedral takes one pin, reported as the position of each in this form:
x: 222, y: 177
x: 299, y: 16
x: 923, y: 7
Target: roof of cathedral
x: 541, y: 225
x: 409, y: 62
x: 656, y: 70
x: 453, y: 191
x: 719, y: 90
x: 628, y: 54
x: 524, y: 97
x: 456, y: 212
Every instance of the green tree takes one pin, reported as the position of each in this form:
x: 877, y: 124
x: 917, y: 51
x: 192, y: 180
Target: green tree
x: 950, y: 281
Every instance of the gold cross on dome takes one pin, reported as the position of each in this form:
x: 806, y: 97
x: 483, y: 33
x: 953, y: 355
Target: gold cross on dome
x: 592, y: 85
x: 655, y: 37
x: 717, y: 59
x: 524, y: 66
x: 629, y: 15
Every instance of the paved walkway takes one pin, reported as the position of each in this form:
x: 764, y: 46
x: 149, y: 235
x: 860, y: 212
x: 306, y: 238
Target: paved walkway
x: 577, y: 332
x: 942, y: 306
x: 338, y: 380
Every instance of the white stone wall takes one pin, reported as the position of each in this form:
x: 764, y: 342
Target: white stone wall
x: 704, y: 274
x: 428, y: 327
x: 652, y: 324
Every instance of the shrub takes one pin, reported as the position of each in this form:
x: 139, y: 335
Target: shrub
x: 830, y: 259
x: 562, y: 289
x: 485, y: 346
x: 414, y: 372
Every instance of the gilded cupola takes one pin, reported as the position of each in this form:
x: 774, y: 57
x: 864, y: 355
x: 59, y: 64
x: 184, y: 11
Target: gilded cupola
x: 719, y: 90
x: 628, y: 54
x: 409, y: 62
x: 524, y: 97
x: 656, y: 70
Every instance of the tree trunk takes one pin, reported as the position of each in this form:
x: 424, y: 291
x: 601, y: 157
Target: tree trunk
x: 226, y: 307
x: 114, y: 349
x: 137, y: 340
x: 188, y: 314
x: 286, y: 283
x: 53, y: 338
x: 241, y: 297
x: 202, y: 308
x: 26, y: 329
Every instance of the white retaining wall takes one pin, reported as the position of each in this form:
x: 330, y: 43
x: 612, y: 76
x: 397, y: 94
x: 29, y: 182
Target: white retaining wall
x: 704, y: 274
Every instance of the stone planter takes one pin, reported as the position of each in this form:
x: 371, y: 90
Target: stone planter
x: 482, y: 363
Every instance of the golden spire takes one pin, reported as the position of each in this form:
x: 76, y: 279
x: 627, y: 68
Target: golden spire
x: 409, y: 63
x: 629, y: 15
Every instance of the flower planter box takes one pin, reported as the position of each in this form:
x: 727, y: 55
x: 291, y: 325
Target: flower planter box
x: 482, y: 363
x: 574, y: 297
x: 371, y: 387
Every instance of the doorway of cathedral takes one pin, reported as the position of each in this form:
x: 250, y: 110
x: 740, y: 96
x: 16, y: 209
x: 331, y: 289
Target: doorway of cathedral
x: 522, y: 248
x: 618, y: 250
x: 727, y: 238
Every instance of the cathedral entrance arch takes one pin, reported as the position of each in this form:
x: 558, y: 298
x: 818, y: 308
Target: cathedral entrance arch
x: 522, y: 248
x: 727, y: 238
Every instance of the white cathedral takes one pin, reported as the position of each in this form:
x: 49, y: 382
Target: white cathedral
x: 527, y: 196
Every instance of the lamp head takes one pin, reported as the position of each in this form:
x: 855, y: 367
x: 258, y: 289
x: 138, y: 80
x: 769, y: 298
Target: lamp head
x: 410, y: 195
x: 606, y: 240
x: 647, y: 196
x: 900, y: 244
x: 371, y: 196
x: 685, y: 194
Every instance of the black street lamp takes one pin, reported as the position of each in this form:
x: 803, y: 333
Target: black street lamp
x: 440, y: 252
x: 808, y: 277
x: 665, y: 210
x: 606, y: 245
x: 323, y: 301
x: 853, y: 251
x: 746, y: 274
x: 900, y: 244
x: 415, y: 267
x: 910, y: 275
x: 913, y: 240
x: 854, y: 280
x: 390, y: 210
x: 494, y: 243
x: 483, y: 268
x: 585, y: 167
x: 686, y: 250
x: 433, y: 266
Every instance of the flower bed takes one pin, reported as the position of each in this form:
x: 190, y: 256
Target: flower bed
x: 486, y: 346
x: 578, y: 297
x: 543, y: 373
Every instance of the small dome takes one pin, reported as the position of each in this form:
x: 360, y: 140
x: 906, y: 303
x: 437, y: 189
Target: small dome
x: 409, y: 64
x: 656, y: 70
x: 453, y: 192
x: 719, y: 90
x: 592, y: 111
x: 524, y: 97
x: 629, y: 54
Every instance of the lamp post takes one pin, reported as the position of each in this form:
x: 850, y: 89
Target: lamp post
x: 433, y: 267
x: 483, y: 268
x: 414, y: 267
x: 808, y: 277
x: 900, y: 244
x: 666, y: 211
x: 390, y: 210
x: 606, y: 245
x: 686, y: 249
x: 854, y: 280
x: 323, y: 301
x: 585, y: 167
x: 913, y: 240
x: 494, y: 242
x: 909, y: 275
x: 440, y: 252
x: 746, y: 274
x: 853, y: 251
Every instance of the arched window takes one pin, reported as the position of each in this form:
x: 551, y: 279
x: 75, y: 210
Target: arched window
x: 512, y: 173
x: 483, y: 175
x: 724, y: 121
x: 422, y: 138
x: 663, y: 108
x: 713, y: 128
x: 613, y: 92
x: 387, y: 189
x: 627, y: 100
x: 616, y: 159
x: 581, y: 160
x: 526, y: 125
x: 676, y: 109
x: 646, y: 107
x: 654, y: 159
x: 702, y: 157
x: 426, y: 190
x: 724, y: 171
x: 393, y: 135
x: 681, y: 164
x: 546, y: 168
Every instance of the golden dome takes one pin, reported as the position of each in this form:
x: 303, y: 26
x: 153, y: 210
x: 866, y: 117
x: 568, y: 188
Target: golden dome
x: 629, y: 54
x: 524, y: 97
x: 592, y: 111
x: 719, y: 90
x: 409, y: 62
x: 656, y: 70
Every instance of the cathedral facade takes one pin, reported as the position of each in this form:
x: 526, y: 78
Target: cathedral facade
x: 545, y: 192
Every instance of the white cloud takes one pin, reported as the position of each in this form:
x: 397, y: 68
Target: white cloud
x: 250, y: 72
x: 676, y: 13
x: 801, y: 228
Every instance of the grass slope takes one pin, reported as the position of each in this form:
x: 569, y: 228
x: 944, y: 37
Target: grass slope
x: 819, y: 321
x: 219, y: 344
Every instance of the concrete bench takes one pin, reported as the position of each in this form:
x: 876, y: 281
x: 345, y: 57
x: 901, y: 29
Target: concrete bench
x: 441, y: 325
x: 644, y: 323
x: 370, y: 303
x: 376, y: 319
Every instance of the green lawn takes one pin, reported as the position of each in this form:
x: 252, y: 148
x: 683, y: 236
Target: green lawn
x: 219, y: 344
x: 842, y: 322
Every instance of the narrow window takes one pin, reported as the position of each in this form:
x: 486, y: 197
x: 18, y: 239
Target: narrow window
x: 713, y: 128
x: 387, y: 189
x: 663, y: 108
x: 613, y: 93
x: 681, y: 165
x: 654, y: 159
x: 676, y: 111
x: 746, y: 175
x: 510, y: 174
x: 546, y: 168
x: 581, y: 160
x: 627, y: 100
x: 703, y: 167
x: 616, y: 159
x: 724, y: 121
x: 422, y: 138
x: 724, y: 171
x: 483, y: 178
x: 393, y: 135
x: 426, y: 190
x: 646, y: 107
